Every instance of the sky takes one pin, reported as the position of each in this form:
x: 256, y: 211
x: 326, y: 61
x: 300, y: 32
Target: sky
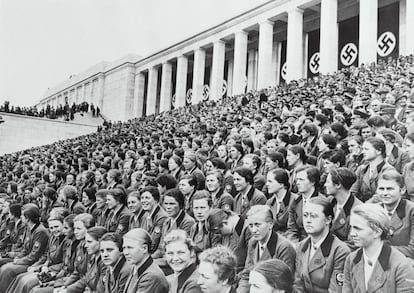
x: 43, y: 42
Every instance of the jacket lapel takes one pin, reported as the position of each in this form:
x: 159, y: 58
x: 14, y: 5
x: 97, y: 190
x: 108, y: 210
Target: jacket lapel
x: 379, y: 276
x: 358, y: 271
x: 398, y: 216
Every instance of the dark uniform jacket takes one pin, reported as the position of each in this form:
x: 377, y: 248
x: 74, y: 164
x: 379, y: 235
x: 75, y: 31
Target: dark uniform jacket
x: 80, y: 264
x: 153, y: 224
x: 148, y: 278
x: 183, y: 222
x: 35, y: 244
x: 398, y: 158
x: 278, y: 247
x: 402, y: 228
x: 186, y: 282
x: 408, y: 173
x: 14, y: 239
x: 200, y: 237
x: 253, y: 197
x: 77, y: 207
x: 392, y: 273
x: 136, y: 219
x: 223, y: 200
x: 92, y: 278
x: 365, y: 187
x: 281, y: 217
x: 118, y: 220
x: 54, y: 254
x: 295, y: 230
x: 94, y: 211
x: 324, y: 272
x: 115, y: 281
x: 340, y: 225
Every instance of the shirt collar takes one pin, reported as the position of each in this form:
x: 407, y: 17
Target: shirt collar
x: 371, y: 261
x: 320, y: 241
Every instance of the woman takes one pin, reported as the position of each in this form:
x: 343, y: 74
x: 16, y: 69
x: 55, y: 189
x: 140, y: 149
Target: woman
x: 221, y: 198
x: 35, y: 245
x: 117, y: 268
x: 201, y: 203
x: 296, y: 158
x: 99, y: 178
x: 309, y: 133
x: 154, y: 215
x: 91, y: 281
x: 248, y: 146
x: 247, y: 195
x: 254, y: 163
x: 101, y: 208
x: 175, y: 166
x: 135, y: 206
x: 188, y: 186
x: 49, y: 201
x: 173, y: 204
x: 146, y: 275
x: 87, y: 181
x: 114, y: 178
x: 408, y: 171
x: 49, y: 265
x: 119, y: 215
x: 273, y: 161
x: 271, y: 276
x: 236, y: 153
x: 355, y: 156
x: 89, y: 201
x: 181, y: 257
x: 143, y: 164
x: 217, y: 270
x: 365, y: 131
x: 320, y: 258
x: 278, y: 187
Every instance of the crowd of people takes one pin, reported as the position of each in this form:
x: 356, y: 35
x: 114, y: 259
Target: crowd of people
x: 66, y: 112
x: 302, y: 187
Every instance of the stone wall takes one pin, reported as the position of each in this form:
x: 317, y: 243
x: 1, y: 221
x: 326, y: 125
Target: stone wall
x: 119, y: 93
x: 22, y: 132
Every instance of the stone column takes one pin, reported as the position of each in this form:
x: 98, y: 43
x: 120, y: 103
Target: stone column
x: 216, y: 84
x: 274, y: 66
x: 152, y: 90
x: 166, y: 88
x: 84, y: 94
x: 198, y: 75
x: 409, y: 47
x: 264, y: 74
x: 101, y: 87
x: 230, y: 73
x: 240, y: 59
x: 251, y: 70
x: 329, y: 36
x: 139, y: 89
x: 294, y: 52
x: 368, y: 30
x: 181, y: 81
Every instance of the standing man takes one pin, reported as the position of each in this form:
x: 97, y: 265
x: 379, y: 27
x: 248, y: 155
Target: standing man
x: 375, y: 266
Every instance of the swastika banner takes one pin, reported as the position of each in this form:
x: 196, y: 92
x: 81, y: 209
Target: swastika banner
x: 348, y: 39
x: 313, y: 53
x: 283, y: 62
x: 388, y: 31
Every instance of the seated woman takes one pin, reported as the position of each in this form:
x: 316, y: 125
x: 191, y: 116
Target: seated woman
x: 217, y: 270
x: 75, y: 262
x: 181, y: 256
x: 154, y: 216
x: 135, y: 206
x: 118, y: 218
x: 117, y: 268
x: 89, y: 201
x: 247, y: 195
x: 201, y: 207
x: 264, y: 244
x: 48, y: 265
x: 188, y: 186
x: 146, y: 276
x: 35, y: 245
x: 215, y: 185
x: 228, y: 229
x: 390, y: 193
x: 177, y: 219
x: 271, y: 276
x: 320, y: 258
x: 278, y: 187
x: 91, y: 281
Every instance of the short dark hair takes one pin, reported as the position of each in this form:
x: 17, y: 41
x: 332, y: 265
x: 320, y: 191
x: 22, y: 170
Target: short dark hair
x: 343, y: 176
x: 153, y: 191
x: 115, y: 238
x: 246, y: 174
x: 166, y: 180
x: 177, y: 195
